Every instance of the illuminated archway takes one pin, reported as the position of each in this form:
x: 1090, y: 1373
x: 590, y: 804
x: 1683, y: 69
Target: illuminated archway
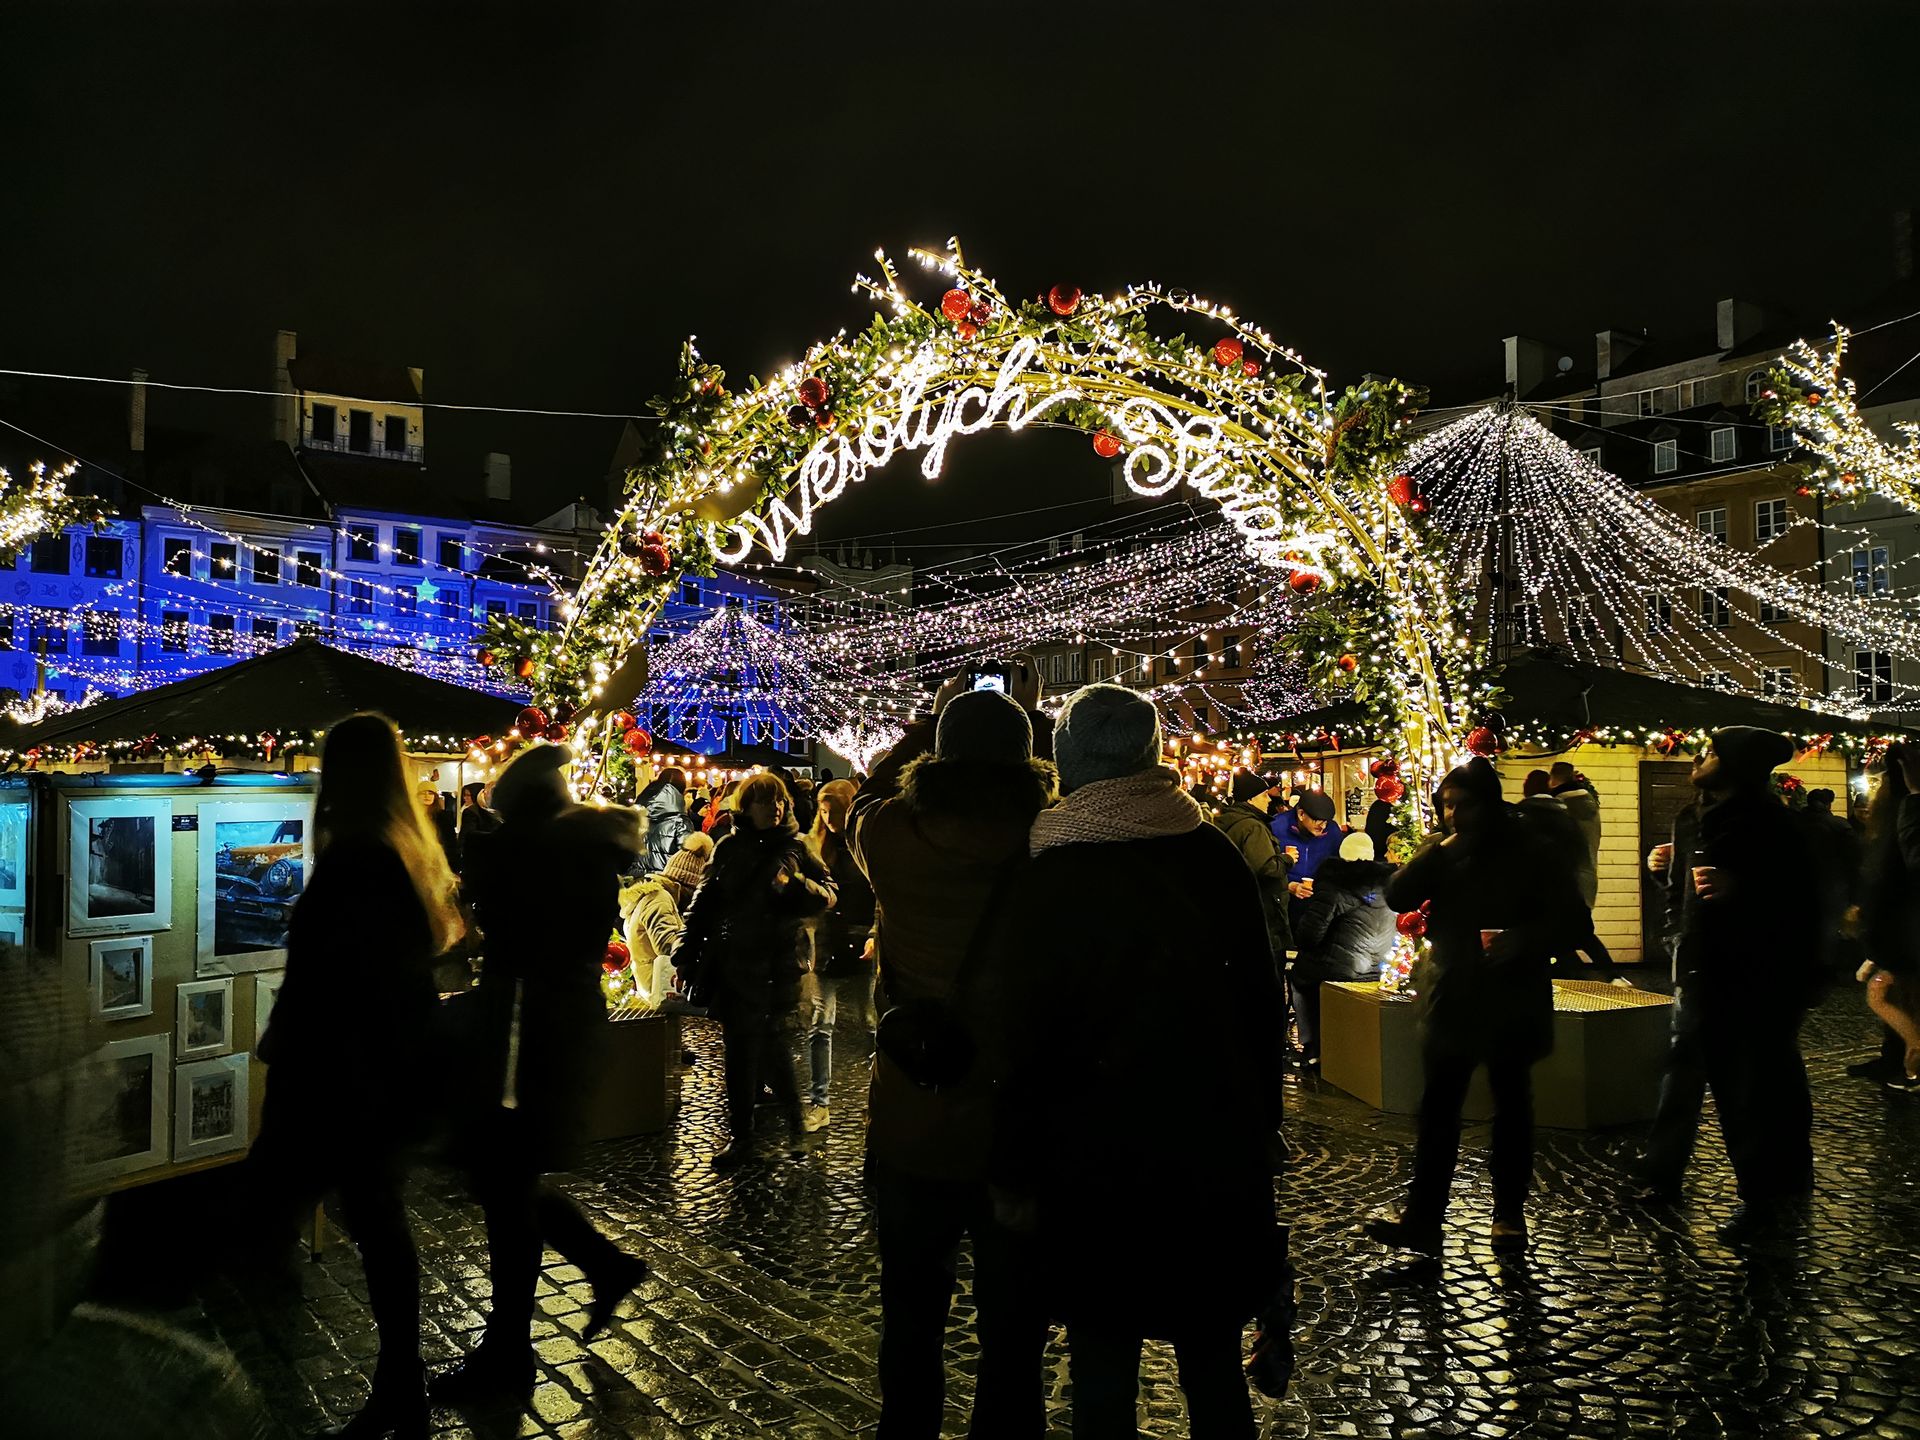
x: 1305, y: 474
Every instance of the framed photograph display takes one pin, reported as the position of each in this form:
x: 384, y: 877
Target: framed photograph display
x: 125, y: 1112
x: 209, y: 1108
x: 13, y: 927
x: 120, y: 977
x: 204, y: 1018
x: 254, y: 857
x: 119, y: 866
x: 13, y: 857
x: 266, y: 994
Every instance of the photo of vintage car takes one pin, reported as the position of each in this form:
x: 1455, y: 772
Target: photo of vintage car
x: 259, y: 872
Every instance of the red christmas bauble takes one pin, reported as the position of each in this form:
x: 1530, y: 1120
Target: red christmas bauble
x: 639, y: 742
x: 1349, y: 663
x: 617, y: 958
x: 1814, y: 397
x: 1380, y: 769
x: 813, y: 392
x: 955, y: 304
x: 621, y: 721
x: 967, y: 329
x: 652, y: 537
x: 1482, y: 741
x: 1063, y: 300
x: 486, y: 658
x: 531, y: 721
x: 1803, y: 490
x: 1413, y: 925
x: 557, y: 732
x: 523, y: 666
x: 1250, y: 368
x: 1400, y: 489
x: 481, y: 743
x: 1227, y: 351
x: 980, y: 312
x: 1303, y: 582
x: 799, y: 417
x: 823, y: 421
x: 1418, y: 505
x: 1105, y: 444
x: 655, y: 560
x: 1389, y: 789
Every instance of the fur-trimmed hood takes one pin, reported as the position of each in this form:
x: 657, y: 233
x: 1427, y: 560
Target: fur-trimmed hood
x: 965, y: 790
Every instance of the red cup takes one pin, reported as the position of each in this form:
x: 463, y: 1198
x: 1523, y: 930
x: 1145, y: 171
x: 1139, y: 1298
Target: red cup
x: 1487, y: 937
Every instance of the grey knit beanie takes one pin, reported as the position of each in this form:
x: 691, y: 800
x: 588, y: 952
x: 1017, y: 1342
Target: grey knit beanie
x: 1103, y: 733
x: 983, y: 727
x: 1749, y: 754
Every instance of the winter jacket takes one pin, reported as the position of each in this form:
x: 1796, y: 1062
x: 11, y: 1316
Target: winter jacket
x: 667, y: 826
x: 1891, y: 895
x: 1561, y: 824
x: 653, y: 930
x: 547, y: 892
x: 1493, y: 1001
x: 1315, y: 850
x: 1346, y: 930
x: 742, y: 944
x: 935, y: 838
x: 841, y: 935
x: 1117, y: 1129
x: 1584, y: 806
x: 1247, y: 828
x: 1838, y: 857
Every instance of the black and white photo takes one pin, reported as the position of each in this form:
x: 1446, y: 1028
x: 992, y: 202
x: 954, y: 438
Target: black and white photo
x: 120, y: 866
x: 121, y: 977
x: 209, y: 1107
x: 204, y: 1018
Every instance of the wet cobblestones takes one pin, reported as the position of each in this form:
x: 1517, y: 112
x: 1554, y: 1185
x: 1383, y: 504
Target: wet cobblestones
x: 760, y: 1316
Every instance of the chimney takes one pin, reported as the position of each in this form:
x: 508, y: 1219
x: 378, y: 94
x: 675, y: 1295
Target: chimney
x: 1531, y: 363
x: 499, y: 471
x: 1613, y: 348
x: 1903, y: 245
x: 137, y: 413
x: 1735, y: 322
x: 286, y: 409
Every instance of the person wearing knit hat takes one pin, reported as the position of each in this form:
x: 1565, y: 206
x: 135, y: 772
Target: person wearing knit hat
x: 983, y: 727
x: 1104, y: 732
x: 1346, y: 933
x: 1744, y: 957
x: 1246, y: 785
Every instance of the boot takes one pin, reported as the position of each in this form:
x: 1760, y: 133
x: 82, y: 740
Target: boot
x: 619, y: 1280
x: 495, y: 1373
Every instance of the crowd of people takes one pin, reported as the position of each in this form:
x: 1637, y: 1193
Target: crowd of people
x: 1008, y: 904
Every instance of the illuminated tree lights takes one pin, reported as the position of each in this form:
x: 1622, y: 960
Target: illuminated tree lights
x: 40, y: 506
x: 1299, y: 472
x: 1813, y: 399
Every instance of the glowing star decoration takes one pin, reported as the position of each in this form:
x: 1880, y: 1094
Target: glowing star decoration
x: 1821, y: 407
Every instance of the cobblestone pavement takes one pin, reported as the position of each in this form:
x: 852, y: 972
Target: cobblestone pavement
x: 760, y: 1315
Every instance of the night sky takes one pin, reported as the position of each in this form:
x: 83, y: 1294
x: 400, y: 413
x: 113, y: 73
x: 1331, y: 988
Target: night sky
x: 536, y: 203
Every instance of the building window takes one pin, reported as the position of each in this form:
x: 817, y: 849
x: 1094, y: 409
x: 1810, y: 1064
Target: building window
x: 1592, y: 456
x: 1716, y: 680
x: 1099, y: 668
x: 1659, y: 615
x: 6, y: 627
x: 689, y: 592
x: 1715, y: 611
x: 178, y: 557
x: 306, y: 629
x: 763, y: 611
x: 497, y: 609
x: 406, y: 602
x: 1770, y: 520
x: 220, y: 634
x: 406, y: 546
x: 266, y: 634
x: 1756, y: 385
x: 363, y: 542
x: 1721, y: 439
x: 1199, y: 661
x: 52, y: 555
x: 453, y: 555
x: 1873, y: 676
x: 306, y: 567
x: 360, y: 598
x: 1699, y: 392
x: 1712, y: 523
x: 1770, y: 613
x: 1657, y: 401
x: 103, y: 557
x: 224, y: 556
x: 49, y: 632
x: 1780, y: 682
x: 1870, y: 571
x: 396, y: 434
x: 1166, y: 666
x: 360, y: 431
x: 323, y: 418
x: 100, y: 635
x: 266, y: 567
x: 1230, y: 652
x: 1666, y: 456
x: 528, y: 611
x: 173, y: 632
x: 1077, y: 667
x: 1779, y: 439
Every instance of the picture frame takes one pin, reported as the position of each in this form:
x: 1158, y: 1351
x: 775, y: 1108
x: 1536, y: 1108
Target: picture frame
x: 266, y: 994
x: 203, y: 1018
x: 210, y: 1108
x: 124, y: 1125
x: 120, y: 976
x: 254, y: 860
x: 13, y: 857
x: 13, y: 927
x: 119, y: 866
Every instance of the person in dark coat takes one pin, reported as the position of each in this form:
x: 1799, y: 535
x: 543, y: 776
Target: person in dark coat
x: 939, y: 826
x: 546, y: 887
x: 842, y: 965
x: 665, y: 804
x: 1502, y: 900
x: 1247, y: 823
x: 1890, y: 918
x: 1106, y: 1131
x: 1346, y: 933
x: 377, y: 909
x: 1745, y: 960
x: 1558, y: 819
x: 1839, y: 864
x: 740, y: 953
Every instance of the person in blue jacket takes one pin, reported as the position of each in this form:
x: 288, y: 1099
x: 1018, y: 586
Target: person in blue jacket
x: 1310, y: 836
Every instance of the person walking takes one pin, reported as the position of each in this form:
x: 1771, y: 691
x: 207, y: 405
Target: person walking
x: 1247, y: 823
x: 1346, y: 933
x: 665, y: 804
x: 1502, y: 898
x: 842, y: 964
x: 1891, y: 915
x: 939, y: 827
x: 377, y: 909
x: 1746, y: 964
x: 740, y: 954
x: 1105, y: 1131
x: 546, y: 889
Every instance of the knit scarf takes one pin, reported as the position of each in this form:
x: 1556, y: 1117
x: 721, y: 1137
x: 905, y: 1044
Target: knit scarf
x: 1134, y: 807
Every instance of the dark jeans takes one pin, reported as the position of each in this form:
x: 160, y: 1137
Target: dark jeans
x: 1106, y: 1385
x: 1437, y: 1150
x: 921, y: 1223
x: 1683, y: 1090
x: 1306, y: 1013
x: 524, y: 1215
x: 371, y: 1204
x: 758, y: 1052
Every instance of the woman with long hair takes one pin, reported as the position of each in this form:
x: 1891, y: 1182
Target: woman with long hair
x: 741, y: 951
x: 843, y: 945
x: 377, y: 910
x: 1890, y: 915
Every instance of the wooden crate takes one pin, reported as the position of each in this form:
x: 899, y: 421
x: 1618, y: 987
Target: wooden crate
x: 635, y: 1095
